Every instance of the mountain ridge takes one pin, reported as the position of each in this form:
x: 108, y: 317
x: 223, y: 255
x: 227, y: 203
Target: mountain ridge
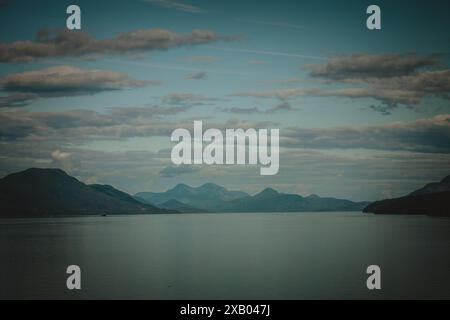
x: 268, y: 200
x: 433, y: 200
x: 47, y: 192
x: 204, y: 197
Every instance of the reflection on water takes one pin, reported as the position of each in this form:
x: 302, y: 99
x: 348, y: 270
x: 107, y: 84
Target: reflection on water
x: 226, y: 256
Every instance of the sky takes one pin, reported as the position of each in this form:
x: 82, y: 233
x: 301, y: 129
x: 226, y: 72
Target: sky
x: 363, y: 114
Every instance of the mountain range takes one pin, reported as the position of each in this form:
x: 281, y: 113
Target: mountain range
x: 52, y: 192
x: 433, y: 200
x: 213, y: 198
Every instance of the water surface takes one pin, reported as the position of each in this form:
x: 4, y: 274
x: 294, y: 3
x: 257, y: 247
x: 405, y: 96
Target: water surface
x: 226, y: 256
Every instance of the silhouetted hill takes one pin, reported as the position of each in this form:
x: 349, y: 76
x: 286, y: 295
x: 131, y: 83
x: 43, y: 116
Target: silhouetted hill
x: 434, y: 187
x: 214, y: 198
x: 52, y: 192
x: 432, y: 200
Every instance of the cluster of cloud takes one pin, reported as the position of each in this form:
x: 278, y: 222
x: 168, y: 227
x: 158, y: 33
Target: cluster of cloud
x: 66, y: 43
x: 17, y: 100
x: 62, y: 81
x: 81, y: 125
x: 425, y: 135
x: 391, y: 79
x: 364, y: 66
x: 67, y: 79
x: 78, y: 126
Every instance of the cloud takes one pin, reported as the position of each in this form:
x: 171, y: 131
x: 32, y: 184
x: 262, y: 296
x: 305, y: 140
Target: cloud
x: 197, y: 76
x: 67, y: 79
x: 58, y: 155
x: 363, y: 66
x: 424, y: 135
x: 78, y: 126
x: 81, y: 125
x: 64, y: 160
x: 62, y: 81
x: 174, y: 171
x: 385, y: 110
x: 186, y: 99
x: 242, y: 110
x: 66, y: 43
x: 393, y: 80
x: 169, y: 4
x: 284, y: 106
x: 407, y: 90
x: 17, y: 100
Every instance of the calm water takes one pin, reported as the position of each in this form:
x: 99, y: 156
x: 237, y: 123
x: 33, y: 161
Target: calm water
x: 226, y: 256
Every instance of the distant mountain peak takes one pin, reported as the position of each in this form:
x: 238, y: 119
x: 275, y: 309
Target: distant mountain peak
x: 41, y: 171
x: 211, y: 186
x: 268, y: 192
x: 181, y: 187
x: 44, y: 175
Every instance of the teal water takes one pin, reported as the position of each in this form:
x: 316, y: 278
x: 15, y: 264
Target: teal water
x: 226, y: 256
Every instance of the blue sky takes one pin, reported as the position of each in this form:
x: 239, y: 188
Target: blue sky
x: 283, y: 64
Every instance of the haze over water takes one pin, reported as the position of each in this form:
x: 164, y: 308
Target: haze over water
x: 226, y: 256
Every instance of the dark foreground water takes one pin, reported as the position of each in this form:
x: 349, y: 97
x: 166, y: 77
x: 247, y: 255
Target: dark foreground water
x: 226, y: 256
